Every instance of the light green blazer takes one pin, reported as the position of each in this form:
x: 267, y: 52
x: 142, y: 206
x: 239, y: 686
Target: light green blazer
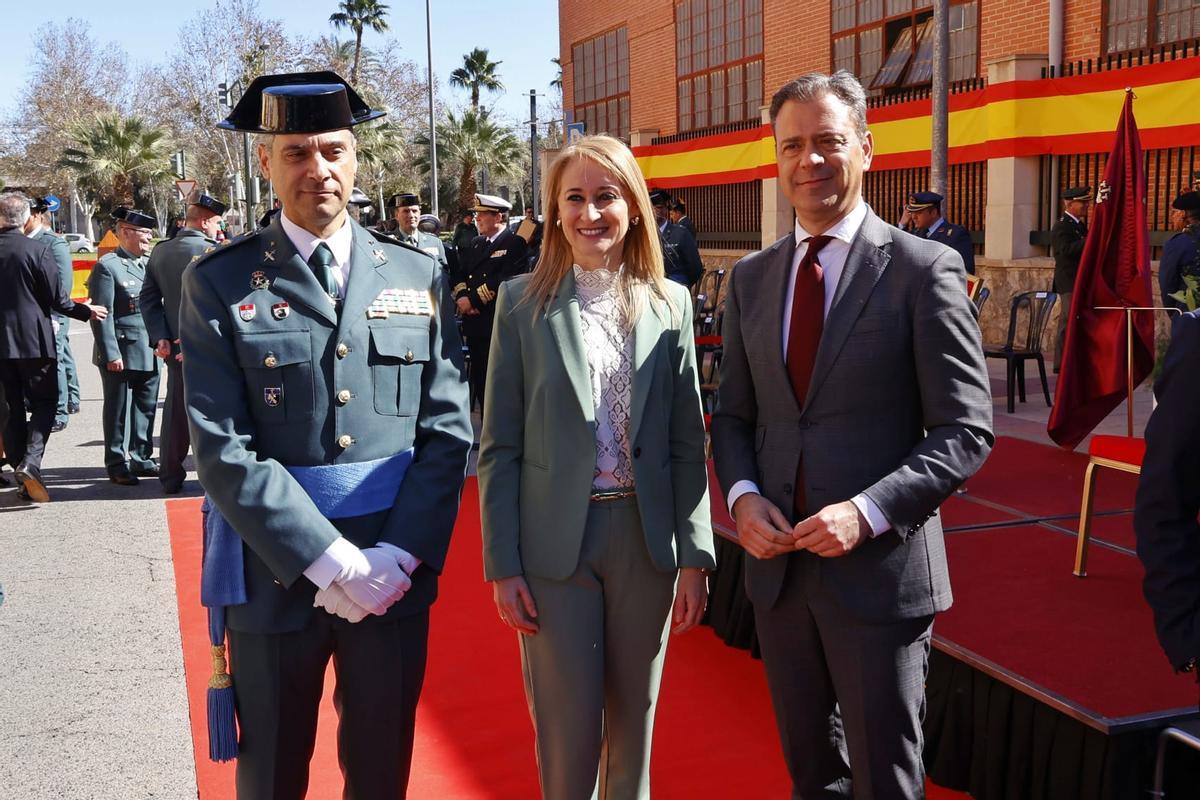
x: 537, y: 453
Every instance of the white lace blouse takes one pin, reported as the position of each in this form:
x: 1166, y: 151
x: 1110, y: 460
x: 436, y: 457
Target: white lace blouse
x: 608, y: 336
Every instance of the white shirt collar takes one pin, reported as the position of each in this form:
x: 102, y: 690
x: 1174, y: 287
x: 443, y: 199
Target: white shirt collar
x: 34, y: 232
x: 305, y: 242
x: 844, y: 230
x: 1072, y: 216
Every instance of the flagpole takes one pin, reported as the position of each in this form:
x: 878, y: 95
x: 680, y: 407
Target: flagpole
x: 1129, y: 353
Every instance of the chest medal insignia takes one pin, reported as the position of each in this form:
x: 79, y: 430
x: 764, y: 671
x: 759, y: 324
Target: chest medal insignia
x: 280, y: 311
x: 247, y: 312
x: 272, y: 395
x: 258, y: 280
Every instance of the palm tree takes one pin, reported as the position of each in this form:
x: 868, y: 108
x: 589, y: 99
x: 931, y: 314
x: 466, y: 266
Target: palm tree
x: 332, y: 53
x: 477, y: 72
x: 557, y: 82
x: 379, y: 148
x: 358, y: 15
x: 469, y: 142
x: 113, y: 156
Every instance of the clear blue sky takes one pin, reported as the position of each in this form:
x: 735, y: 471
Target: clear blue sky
x: 522, y: 35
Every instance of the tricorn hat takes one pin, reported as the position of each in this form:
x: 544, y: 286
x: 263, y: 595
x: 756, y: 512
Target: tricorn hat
x: 38, y: 204
x: 919, y: 201
x: 1188, y: 201
x: 298, y: 102
x: 659, y: 198
x: 359, y: 198
x: 131, y: 216
x: 1077, y: 193
x: 199, y: 198
x: 404, y: 200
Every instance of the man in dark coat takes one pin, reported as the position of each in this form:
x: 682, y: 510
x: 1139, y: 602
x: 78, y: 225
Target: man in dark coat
x: 159, y: 300
x: 1181, y: 254
x: 28, y: 370
x: 1168, y: 500
x: 494, y: 256
x: 1066, y: 242
x: 465, y: 231
x: 924, y: 213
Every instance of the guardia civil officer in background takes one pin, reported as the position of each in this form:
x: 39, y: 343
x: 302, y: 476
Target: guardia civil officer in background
x: 680, y: 254
x: 327, y: 401
x: 1181, y: 253
x: 1067, y: 238
x: 494, y: 256
x: 124, y: 353
x: 923, y: 215
x: 407, y: 212
x: 38, y: 228
x: 159, y: 301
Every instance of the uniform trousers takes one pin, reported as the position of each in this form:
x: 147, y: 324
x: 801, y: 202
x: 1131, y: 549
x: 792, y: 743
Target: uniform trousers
x: 130, y: 400
x: 173, y: 437
x: 592, y: 671
x: 68, y: 378
x: 479, y: 343
x: 1060, y: 330
x: 278, y: 679
x: 28, y: 383
x: 848, y: 695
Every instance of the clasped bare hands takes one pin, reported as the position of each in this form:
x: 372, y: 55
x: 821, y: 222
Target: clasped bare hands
x: 764, y: 532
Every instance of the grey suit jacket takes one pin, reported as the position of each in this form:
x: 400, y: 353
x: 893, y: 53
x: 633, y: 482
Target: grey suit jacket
x: 537, y: 451
x: 274, y: 378
x: 899, y: 408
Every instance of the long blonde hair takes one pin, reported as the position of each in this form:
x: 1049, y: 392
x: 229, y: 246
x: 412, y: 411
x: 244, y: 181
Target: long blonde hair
x: 643, y: 276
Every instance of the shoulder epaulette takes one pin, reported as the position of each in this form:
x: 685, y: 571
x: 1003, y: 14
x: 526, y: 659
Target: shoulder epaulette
x: 222, y: 249
x: 383, y: 237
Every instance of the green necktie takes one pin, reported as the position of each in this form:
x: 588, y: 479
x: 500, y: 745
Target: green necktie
x: 320, y: 262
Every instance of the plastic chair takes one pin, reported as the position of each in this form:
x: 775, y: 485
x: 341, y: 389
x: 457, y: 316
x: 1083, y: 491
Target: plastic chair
x: 981, y: 298
x: 1185, y: 733
x: 1026, y: 323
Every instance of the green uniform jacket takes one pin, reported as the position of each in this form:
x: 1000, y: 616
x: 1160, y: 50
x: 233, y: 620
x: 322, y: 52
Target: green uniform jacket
x: 428, y: 243
x: 537, y: 453
x: 115, y: 283
x: 274, y: 378
x: 62, y: 257
x: 163, y: 289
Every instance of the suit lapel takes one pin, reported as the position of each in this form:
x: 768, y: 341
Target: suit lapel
x: 366, y: 280
x: 563, y: 319
x: 869, y: 255
x: 289, y: 274
x: 774, y: 292
x: 646, y: 334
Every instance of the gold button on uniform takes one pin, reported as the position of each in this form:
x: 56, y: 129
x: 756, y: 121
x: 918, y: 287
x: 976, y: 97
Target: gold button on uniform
x: 408, y: 357
x: 345, y: 440
x: 342, y: 350
x: 270, y: 362
x: 343, y: 396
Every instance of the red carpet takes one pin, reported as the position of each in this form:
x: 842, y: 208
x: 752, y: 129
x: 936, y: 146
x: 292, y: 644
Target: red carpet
x: 715, y: 735
x: 1017, y: 604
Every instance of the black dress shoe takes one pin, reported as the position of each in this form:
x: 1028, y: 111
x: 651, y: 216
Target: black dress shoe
x: 30, y: 478
x: 148, y: 470
x: 73, y: 408
x: 22, y: 494
x: 172, y: 487
x: 58, y: 426
x: 122, y: 477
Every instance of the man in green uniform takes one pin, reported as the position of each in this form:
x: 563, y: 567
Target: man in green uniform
x: 1066, y: 242
x: 327, y: 402
x: 408, y: 214
x: 38, y: 229
x: 123, y: 352
x: 159, y: 302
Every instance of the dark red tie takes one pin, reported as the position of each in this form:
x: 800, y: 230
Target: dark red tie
x: 804, y: 336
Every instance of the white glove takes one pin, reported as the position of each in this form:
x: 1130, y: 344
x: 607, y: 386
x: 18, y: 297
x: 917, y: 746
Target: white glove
x: 374, y: 582
x: 337, y: 602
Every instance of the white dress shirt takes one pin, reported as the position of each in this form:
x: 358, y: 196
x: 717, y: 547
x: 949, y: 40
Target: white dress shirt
x: 339, y: 244
x: 833, y: 260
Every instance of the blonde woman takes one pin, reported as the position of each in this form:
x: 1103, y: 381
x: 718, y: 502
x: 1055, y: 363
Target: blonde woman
x: 594, y: 496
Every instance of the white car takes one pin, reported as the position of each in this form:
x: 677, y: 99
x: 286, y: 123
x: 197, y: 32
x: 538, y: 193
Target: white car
x: 79, y: 243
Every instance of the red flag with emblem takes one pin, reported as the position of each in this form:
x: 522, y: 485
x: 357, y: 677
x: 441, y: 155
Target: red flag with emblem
x: 1114, y: 270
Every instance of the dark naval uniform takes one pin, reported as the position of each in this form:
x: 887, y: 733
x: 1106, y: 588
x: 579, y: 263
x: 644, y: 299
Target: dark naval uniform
x: 159, y: 302
x: 680, y: 254
x: 131, y: 396
x: 276, y: 377
x: 481, y: 269
x: 1181, y: 254
x: 958, y: 238
x: 68, y: 379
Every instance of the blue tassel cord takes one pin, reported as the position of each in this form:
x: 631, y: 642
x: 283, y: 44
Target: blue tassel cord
x: 222, y: 721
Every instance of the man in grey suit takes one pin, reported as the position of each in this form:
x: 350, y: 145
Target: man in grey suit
x: 853, y: 400
x: 159, y: 302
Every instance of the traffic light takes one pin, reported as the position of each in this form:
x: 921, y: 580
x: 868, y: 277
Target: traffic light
x: 225, y: 95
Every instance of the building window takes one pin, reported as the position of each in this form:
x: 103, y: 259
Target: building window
x: 1127, y: 23
x: 718, y: 61
x: 864, y: 31
x: 602, y: 83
